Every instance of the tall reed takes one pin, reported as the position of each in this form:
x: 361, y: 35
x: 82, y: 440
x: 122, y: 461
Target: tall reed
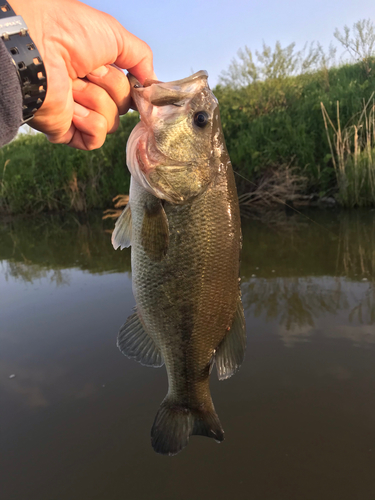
x: 353, y: 155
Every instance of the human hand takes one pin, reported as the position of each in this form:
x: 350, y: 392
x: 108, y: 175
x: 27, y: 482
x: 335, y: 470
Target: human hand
x: 85, y: 93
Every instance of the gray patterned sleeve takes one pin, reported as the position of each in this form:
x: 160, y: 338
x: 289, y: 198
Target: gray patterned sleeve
x: 10, y: 98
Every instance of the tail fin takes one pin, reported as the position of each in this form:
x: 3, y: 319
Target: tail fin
x: 174, y: 424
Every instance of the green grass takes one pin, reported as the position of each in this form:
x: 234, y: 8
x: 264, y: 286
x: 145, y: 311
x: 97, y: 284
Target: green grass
x: 353, y: 155
x: 37, y: 176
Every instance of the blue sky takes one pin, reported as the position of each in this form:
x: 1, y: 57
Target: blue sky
x: 201, y: 34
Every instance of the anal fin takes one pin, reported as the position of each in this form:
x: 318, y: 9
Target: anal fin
x: 231, y: 351
x: 134, y: 342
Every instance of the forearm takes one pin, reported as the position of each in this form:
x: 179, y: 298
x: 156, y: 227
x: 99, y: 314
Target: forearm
x: 10, y: 98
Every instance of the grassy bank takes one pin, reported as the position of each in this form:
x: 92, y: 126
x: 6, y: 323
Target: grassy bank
x: 278, y: 122
x: 270, y: 126
x: 38, y: 176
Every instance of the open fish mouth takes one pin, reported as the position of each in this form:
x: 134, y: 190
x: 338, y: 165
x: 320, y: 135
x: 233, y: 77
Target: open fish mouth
x: 159, y: 94
x: 166, y: 93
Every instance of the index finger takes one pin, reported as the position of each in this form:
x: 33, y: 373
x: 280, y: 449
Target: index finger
x: 134, y: 55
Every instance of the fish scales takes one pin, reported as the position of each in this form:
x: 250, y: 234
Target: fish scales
x: 183, y: 300
x: 188, y: 293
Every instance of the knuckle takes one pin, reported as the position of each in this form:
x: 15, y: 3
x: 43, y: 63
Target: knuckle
x: 147, y: 51
x: 100, y: 130
x: 115, y: 125
x: 94, y: 143
x: 101, y: 99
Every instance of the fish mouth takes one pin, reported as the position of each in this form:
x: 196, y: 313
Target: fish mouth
x: 159, y: 93
x: 135, y: 83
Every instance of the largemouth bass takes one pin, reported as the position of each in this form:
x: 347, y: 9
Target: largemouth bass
x: 183, y: 225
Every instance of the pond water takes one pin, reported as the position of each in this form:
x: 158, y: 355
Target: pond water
x: 299, y: 417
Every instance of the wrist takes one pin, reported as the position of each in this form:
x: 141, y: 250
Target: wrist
x: 26, y: 59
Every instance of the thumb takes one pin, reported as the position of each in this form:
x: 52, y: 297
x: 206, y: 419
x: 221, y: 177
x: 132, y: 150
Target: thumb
x: 134, y: 55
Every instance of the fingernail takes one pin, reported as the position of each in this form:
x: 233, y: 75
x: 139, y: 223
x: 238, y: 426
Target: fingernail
x: 80, y: 111
x: 101, y: 71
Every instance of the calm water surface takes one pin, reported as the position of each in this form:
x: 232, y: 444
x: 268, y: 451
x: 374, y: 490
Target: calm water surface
x: 299, y: 417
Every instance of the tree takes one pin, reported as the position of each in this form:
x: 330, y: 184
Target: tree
x: 360, y: 43
x: 279, y: 62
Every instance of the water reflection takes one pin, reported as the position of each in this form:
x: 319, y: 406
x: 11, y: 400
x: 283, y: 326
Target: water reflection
x: 31, y: 246
x: 312, y: 244
x: 293, y: 270
x: 29, y: 272
x: 298, y: 303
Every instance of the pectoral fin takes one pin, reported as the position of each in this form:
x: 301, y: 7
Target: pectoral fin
x: 231, y: 351
x: 134, y: 342
x: 121, y: 236
x: 155, y: 231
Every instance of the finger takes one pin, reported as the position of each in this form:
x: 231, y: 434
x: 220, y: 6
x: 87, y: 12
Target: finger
x: 61, y: 138
x: 55, y: 115
x: 95, y: 98
x: 134, y: 55
x: 115, y: 83
x: 86, y: 132
x: 90, y: 129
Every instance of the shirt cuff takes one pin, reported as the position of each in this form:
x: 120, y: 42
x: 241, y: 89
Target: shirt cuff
x: 10, y: 97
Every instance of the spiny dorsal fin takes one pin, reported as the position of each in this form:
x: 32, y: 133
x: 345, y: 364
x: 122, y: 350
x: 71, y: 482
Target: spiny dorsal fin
x: 231, y: 351
x: 122, y: 234
x: 135, y: 343
x: 155, y: 231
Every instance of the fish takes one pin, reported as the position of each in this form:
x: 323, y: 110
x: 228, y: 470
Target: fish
x: 183, y: 225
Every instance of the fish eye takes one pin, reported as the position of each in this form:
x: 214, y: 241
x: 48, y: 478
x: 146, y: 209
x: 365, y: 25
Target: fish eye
x: 201, y: 119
